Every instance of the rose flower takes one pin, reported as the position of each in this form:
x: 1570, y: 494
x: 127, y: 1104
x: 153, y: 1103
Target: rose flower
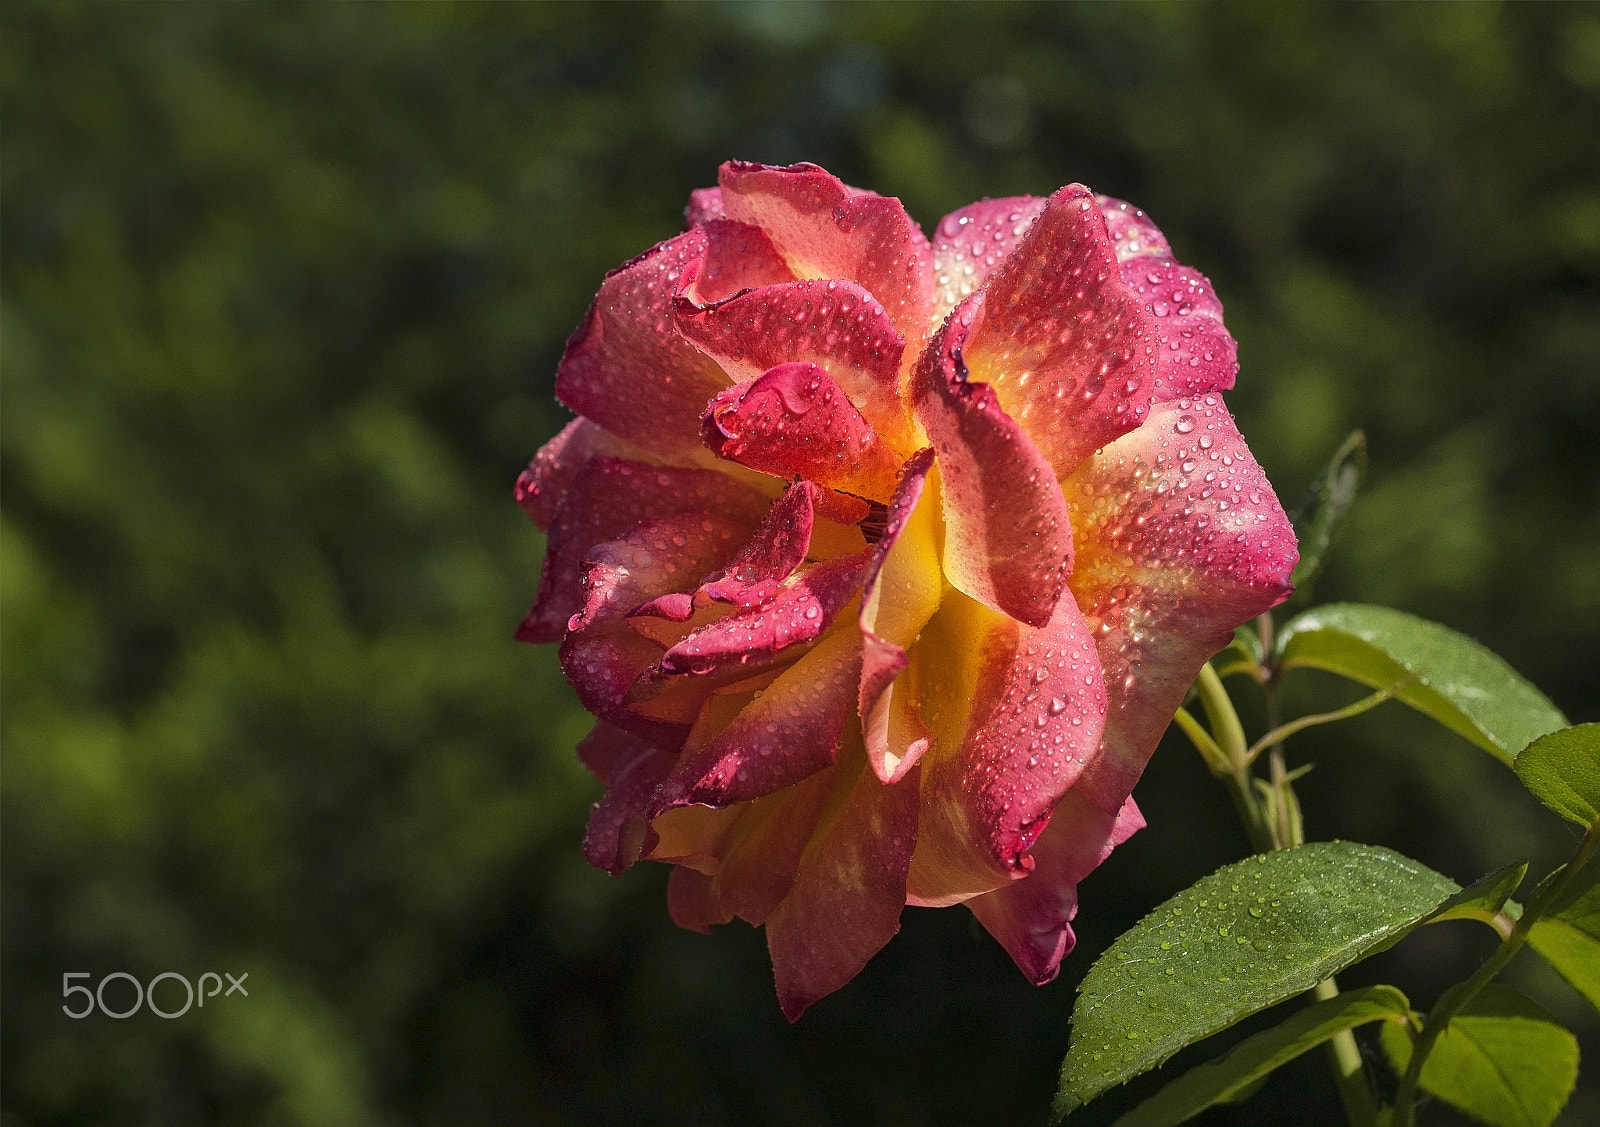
x: 884, y: 564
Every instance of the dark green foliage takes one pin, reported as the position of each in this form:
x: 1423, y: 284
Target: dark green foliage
x: 1249, y: 936
x: 282, y: 293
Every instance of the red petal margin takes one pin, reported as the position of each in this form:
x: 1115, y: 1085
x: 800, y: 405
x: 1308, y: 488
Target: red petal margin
x: 618, y: 829
x: 835, y: 324
x: 1197, y: 354
x: 655, y: 556
x: 1037, y: 711
x: 602, y: 655
x: 968, y: 244
x: 787, y: 734
x: 628, y: 369
x: 607, y: 497
x: 1132, y: 233
x: 738, y: 257
x: 796, y: 422
x: 1032, y: 917
x: 705, y: 204
x: 800, y: 612
x: 1180, y: 540
x: 540, y: 487
x: 848, y: 891
x: 769, y: 557
x: 1008, y: 542
x: 1069, y: 348
x: 823, y: 230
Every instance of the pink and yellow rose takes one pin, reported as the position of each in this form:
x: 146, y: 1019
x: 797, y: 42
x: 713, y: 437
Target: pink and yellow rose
x: 885, y: 563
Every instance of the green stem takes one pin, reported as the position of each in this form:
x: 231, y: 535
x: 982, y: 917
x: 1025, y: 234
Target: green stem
x: 1457, y: 997
x: 1283, y: 830
x: 1349, y: 1070
x: 1224, y: 754
x: 1284, y: 731
x: 1219, y: 710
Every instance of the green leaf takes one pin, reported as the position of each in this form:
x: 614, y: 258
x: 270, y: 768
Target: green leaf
x: 1569, y: 937
x: 1458, y: 682
x: 1250, y: 1061
x: 1484, y: 898
x: 1562, y: 769
x: 1318, y: 514
x: 1502, y: 1059
x: 1573, y: 952
x: 1244, y: 938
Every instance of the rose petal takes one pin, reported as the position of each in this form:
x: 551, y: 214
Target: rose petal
x: 758, y: 856
x: 891, y: 719
x: 1132, y: 233
x: 901, y: 586
x: 602, y: 654
x: 603, y: 664
x: 606, y: 749
x: 738, y: 257
x: 1068, y: 347
x: 834, y: 324
x: 540, y: 487
x: 691, y: 836
x: 1008, y: 542
x: 1181, y: 538
x: 628, y: 369
x: 618, y: 828
x: 705, y: 204
x: 607, y: 497
x: 823, y: 230
x: 838, y: 509
x: 1017, y: 713
x: 1196, y: 352
x: 848, y: 890
x: 971, y: 242
x: 796, y: 422
x: 901, y: 592
x: 1032, y: 917
x: 791, y: 731
x: 771, y: 555
x: 797, y: 614
x: 655, y: 556
x: 692, y: 900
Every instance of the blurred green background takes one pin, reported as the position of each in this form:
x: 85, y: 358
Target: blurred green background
x: 284, y: 288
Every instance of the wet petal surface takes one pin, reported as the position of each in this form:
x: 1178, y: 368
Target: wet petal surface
x: 1007, y: 748
x: 1031, y: 918
x: 607, y: 497
x: 849, y: 888
x: 1182, y: 539
x: 1008, y: 542
x: 789, y: 731
x: 824, y: 230
x: 1068, y: 347
x: 794, y: 421
x: 968, y: 244
x: 628, y: 369
x: 834, y: 324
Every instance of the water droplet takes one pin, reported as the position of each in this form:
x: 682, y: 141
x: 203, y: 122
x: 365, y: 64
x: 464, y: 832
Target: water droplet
x: 1184, y: 425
